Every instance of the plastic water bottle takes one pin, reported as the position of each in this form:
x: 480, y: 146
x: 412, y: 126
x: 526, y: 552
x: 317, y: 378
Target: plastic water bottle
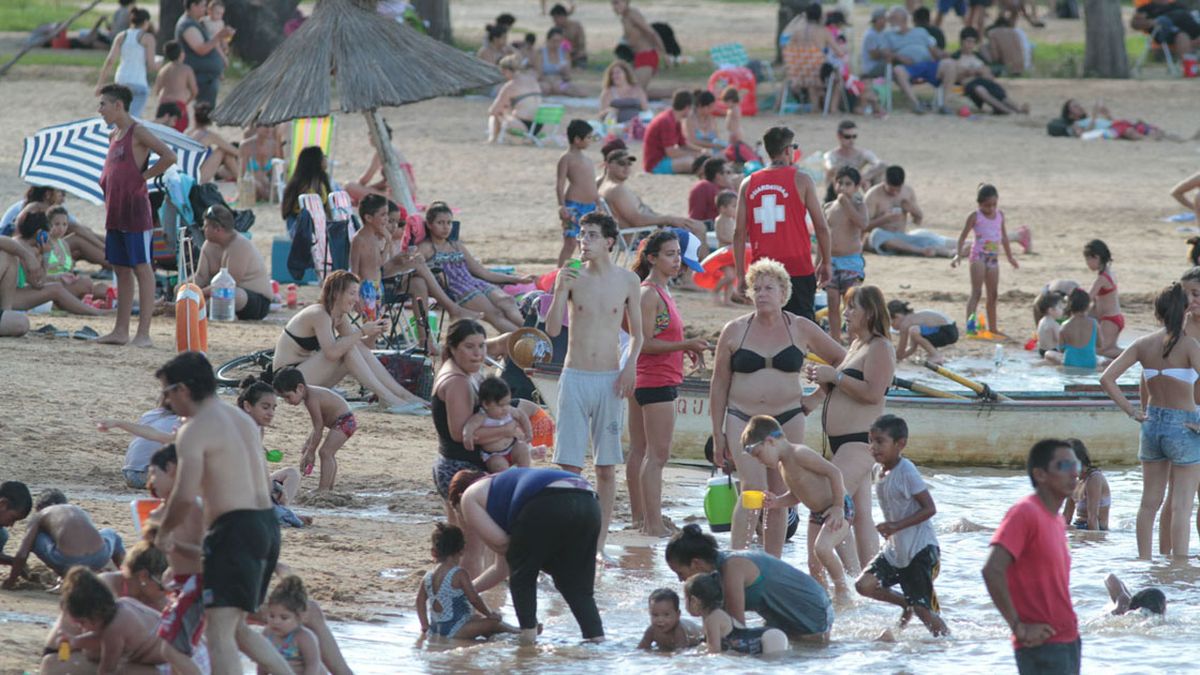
x: 998, y: 356
x: 224, y: 297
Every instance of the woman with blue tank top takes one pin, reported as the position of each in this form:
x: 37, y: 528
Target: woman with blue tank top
x: 782, y: 595
x: 538, y: 520
x: 136, y: 48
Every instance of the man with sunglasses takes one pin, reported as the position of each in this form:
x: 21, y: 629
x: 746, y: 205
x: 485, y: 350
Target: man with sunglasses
x: 1028, y: 571
x: 224, y: 247
x: 869, y: 166
x: 773, y: 206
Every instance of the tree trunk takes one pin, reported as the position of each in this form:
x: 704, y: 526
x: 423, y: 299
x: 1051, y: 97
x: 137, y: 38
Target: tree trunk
x: 1104, y: 47
x: 396, y: 180
x: 437, y: 13
x: 169, y: 12
x: 259, y: 25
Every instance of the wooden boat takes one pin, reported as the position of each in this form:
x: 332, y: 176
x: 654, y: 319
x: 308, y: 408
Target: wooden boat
x: 943, y: 431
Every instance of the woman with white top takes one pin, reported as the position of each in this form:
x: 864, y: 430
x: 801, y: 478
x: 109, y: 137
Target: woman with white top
x: 136, y: 47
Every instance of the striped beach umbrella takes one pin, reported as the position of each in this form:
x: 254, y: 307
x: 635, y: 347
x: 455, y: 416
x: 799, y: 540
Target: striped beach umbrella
x: 70, y: 156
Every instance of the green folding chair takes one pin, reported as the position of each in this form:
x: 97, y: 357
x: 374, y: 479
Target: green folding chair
x: 546, y: 124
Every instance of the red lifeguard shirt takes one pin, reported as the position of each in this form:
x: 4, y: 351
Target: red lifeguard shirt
x: 775, y: 220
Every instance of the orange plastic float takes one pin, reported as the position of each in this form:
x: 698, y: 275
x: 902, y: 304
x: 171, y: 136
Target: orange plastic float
x: 740, y: 78
x: 191, y: 319
x: 714, y: 263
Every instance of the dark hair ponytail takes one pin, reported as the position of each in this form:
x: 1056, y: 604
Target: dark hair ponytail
x: 1170, y: 307
x: 651, y: 246
x: 986, y: 191
x: 1100, y: 250
x: 690, y: 544
x: 253, y: 389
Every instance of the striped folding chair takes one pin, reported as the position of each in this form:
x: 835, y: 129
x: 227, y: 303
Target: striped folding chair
x: 307, y: 131
x: 322, y: 262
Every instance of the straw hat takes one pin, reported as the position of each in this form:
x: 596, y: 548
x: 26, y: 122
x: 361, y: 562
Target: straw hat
x: 529, y: 346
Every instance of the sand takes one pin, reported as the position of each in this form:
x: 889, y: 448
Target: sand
x: 1066, y: 191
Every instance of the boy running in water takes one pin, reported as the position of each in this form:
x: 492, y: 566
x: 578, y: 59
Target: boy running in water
x: 575, y: 186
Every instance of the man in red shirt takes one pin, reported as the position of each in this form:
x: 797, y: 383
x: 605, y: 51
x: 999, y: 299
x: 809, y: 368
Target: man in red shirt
x: 773, y: 206
x: 666, y: 148
x: 702, y: 200
x: 1028, y: 572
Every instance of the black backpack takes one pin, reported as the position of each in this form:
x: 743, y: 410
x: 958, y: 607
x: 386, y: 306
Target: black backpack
x: 204, y: 195
x: 1067, y: 9
x: 668, y: 37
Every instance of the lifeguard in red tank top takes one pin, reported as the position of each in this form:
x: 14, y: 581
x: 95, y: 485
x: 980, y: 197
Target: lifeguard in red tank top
x: 775, y: 220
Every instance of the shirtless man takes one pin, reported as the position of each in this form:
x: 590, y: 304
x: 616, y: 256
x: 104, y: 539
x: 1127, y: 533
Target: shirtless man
x: 889, y: 206
x: 575, y: 186
x: 649, y: 52
x: 628, y: 209
x: 221, y: 459
x: 594, y: 380
x: 225, y: 247
x: 62, y: 536
x: 846, y: 154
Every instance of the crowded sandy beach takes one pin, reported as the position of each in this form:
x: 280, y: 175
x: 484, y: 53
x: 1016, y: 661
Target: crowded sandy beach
x: 415, y: 531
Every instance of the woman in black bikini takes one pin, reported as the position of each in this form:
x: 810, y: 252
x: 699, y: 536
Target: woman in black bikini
x: 745, y: 383
x: 310, y: 341
x: 855, y: 392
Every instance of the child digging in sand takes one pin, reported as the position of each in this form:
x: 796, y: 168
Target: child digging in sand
x: 575, y: 186
x: 62, y: 536
x: 923, y: 328
x: 498, y: 411
x: 706, y: 598
x: 328, y: 411
x: 910, y: 554
x: 847, y: 218
x: 987, y: 222
x: 296, y: 644
x: 817, y: 483
x: 120, y: 632
x: 668, y: 632
x: 446, y: 594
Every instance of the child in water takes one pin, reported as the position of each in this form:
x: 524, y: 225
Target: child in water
x: 987, y: 222
x: 328, y: 411
x: 1077, y: 340
x: 498, y: 411
x: 446, y: 594
x: 705, y: 598
x: 667, y: 631
x: 1047, y: 310
x: 1088, y: 506
x: 1150, y: 599
x: 925, y: 328
x: 295, y: 643
x: 1105, y: 299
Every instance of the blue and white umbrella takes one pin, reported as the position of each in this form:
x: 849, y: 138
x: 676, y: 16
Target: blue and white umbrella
x: 70, y: 156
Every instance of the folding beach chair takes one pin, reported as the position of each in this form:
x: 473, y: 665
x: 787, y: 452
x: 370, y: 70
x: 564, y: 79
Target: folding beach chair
x: 546, y: 123
x: 885, y: 94
x: 1148, y: 50
x: 733, y: 55
x: 627, y: 237
x: 311, y: 203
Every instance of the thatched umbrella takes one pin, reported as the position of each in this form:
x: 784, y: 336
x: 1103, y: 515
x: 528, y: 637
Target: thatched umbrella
x: 378, y: 62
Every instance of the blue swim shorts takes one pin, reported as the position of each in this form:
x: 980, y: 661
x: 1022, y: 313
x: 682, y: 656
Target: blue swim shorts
x: 663, y: 167
x: 578, y: 211
x: 127, y: 249
x: 925, y: 70
x: 958, y: 6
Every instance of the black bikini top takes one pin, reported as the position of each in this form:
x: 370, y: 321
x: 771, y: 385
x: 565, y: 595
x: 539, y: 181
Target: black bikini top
x: 790, y: 359
x: 308, y: 344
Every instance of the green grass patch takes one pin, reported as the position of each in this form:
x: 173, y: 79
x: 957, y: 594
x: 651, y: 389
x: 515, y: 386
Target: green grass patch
x: 25, y: 15
x: 65, y: 57
x: 1065, y: 59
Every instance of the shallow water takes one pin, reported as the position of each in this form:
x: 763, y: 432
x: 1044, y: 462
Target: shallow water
x: 970, y: 504
x: 1019, y: 370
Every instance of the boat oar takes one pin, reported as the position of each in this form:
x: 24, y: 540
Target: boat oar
x: 978, y: 387
x: 901, y: 382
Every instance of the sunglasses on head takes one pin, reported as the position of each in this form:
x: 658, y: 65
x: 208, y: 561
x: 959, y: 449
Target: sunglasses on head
x: 749, y: 449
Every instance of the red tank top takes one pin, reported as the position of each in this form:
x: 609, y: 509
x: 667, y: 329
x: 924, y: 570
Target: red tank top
x: 775, y: 220
x: 664, y: 369
x: 126, y: 200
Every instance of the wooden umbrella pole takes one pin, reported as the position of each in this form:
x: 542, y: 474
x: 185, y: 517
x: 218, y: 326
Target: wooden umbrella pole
x: 396, y: 179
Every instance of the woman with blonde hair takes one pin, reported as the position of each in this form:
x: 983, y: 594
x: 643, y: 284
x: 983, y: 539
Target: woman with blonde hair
x: 621, y: 99
x: 518, y: 99
x: 756, y: 371
x: 855, y: 391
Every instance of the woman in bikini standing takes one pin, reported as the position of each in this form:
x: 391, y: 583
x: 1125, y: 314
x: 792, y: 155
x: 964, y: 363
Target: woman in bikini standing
x: 756, y: 371
x: 1105, y: 303
x: 322, y: 344
x: 855, y: 392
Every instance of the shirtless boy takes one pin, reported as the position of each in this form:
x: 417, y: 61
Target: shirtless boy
x: 575, y: 186
x: 847, y: 218
x: 817, y: 483
x: 649, y: 52
x: 225, y: 247
x: 120, y: 632
x: 176, y: 82
x: 221, y: 459
x: 327, y: 410
x: 594, y: 379
x: 15, y: 505
x: 62, y: 536
x: 182, y: 621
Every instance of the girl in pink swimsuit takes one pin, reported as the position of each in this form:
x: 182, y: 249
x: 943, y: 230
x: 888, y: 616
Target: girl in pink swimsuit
x: 987, y: 222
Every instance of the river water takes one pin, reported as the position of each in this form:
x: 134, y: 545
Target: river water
x: 970, y: 505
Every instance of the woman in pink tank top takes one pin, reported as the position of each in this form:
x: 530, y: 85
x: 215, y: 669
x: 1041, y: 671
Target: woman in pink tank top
x: 659, y: 372
x: 987, y: 222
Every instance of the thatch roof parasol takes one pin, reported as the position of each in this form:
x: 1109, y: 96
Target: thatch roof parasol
x: 378, y: 63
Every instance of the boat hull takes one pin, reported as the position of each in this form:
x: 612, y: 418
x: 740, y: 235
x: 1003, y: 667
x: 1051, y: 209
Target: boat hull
x: 942, y: 431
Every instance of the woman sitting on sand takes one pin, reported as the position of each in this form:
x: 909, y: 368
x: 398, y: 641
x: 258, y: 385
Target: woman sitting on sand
x: 553, y: 66
x: 756, y: 371
x: 33, y: 288
x: 855, y: 393
x: 85, y: 244
x: 517, y: 100
x: 700, y: 126
x: 468, y: 283
x: 257, y: 155
x: 320, y: 341
x: 621, y: 99
x: 1169, y: 450
x: 222, y: 161
x: 310, y: 176
x: 495, y: 46
x: 753, y: 581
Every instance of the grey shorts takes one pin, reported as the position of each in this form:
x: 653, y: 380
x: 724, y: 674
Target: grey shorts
x: 921, y: 238
x: 46, y: 549
x: 589, y: 410
x: 135, y: 478
x: 1165, y: 438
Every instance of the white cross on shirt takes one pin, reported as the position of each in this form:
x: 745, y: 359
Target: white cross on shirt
x: 769, y: 215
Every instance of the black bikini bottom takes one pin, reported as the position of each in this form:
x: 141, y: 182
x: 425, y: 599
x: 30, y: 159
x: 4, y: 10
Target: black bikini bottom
x: 836, y: 442
x: 782, y: 418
